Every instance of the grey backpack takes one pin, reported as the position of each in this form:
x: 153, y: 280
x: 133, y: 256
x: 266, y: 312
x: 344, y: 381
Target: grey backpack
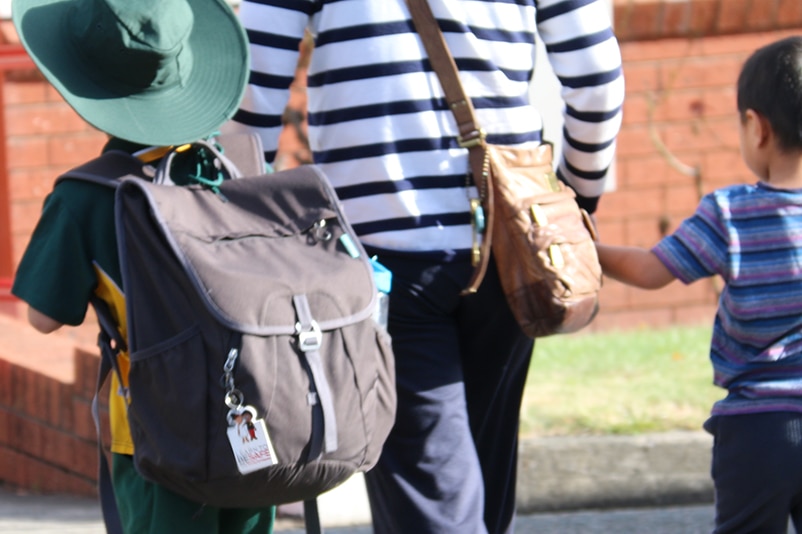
x: 258, y: 376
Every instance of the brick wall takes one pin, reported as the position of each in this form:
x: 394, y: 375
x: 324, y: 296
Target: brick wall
x: 48, y: 439
x: 679, y: 139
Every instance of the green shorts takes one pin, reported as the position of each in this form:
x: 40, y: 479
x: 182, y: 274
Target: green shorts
x: 148, y: 508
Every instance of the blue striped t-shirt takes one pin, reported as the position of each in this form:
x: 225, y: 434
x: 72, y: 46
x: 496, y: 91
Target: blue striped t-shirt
x: 750, y: 235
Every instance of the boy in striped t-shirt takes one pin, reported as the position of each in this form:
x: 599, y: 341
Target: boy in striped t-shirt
x: 751, y: 236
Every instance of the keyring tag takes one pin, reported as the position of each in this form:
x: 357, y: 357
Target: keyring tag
x: 249, y: 440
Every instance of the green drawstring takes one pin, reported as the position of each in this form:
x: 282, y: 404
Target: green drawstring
x: 204, y: 166
x: 207, y: 173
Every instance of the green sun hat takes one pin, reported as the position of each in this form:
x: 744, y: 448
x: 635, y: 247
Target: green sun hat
x: 154, y: 72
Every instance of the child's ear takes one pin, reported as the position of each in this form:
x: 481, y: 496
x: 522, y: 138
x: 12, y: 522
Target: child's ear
x: 758, y: 128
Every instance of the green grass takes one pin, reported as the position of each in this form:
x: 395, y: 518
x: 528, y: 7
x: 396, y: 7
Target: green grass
x: 619, y: 383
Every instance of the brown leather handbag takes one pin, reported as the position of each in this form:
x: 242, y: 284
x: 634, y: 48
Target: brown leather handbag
x: 539, y: 237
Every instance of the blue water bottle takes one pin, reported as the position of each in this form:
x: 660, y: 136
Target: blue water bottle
x: 384, y: 281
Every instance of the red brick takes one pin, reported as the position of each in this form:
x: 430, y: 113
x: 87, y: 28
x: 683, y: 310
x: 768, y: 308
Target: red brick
x: 44, y: 478
x: 5, y: 428
x: 86, y: 369
x: 697, y: 72
x: 609, y: 221
x: 83, y: 426
x: 614, y: 294
x: 611, y: 206
x: 24, y: 93
x: 720, y: 103
x: 642, y: 203
x: 677, y: 18
x: 30, y: 184
x: 67, y: 409
x: 634, y: 140
x: 26, y: 151
x: 25, y: 214
x: 71, y: 455
x: 13, y: 465
x: 610, y: 229
x: 723, y: 131
x: 684, y: 136
x: 674, y: 294
x: 700, y: 18
x: 638, y: 20
x: 650, y: 51
x: 732, y: 15
x: 645, y: 171
x: 724, y: 166
x: 20, y: 378
x: 640, y: 76
x: 680, y: 105
x: 643, y: 231
x: 6, y: 393
x: 761, y: 15
x: 43, y: 119
x: 703, y: 17
x: 738, y: 44
x: 682, y: 201
x: 48, y: 409
x: 69, y: 151
x: 789, y: 13
x: 25, y: 435
x: 637, y: 108
x: 54, y: 444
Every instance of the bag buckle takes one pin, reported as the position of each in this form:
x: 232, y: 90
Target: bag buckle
x: 309, y: 339
x: 478, y: 226
x: 554, y: 182
x: 472, y: 139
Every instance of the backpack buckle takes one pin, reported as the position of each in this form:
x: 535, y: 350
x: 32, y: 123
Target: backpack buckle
x: 310, y: 339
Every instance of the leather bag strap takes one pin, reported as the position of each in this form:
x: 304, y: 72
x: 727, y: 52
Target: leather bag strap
x: 471, y: 136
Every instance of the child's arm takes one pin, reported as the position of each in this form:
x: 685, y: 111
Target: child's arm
x: 634, y: 266
x: 42, y: 322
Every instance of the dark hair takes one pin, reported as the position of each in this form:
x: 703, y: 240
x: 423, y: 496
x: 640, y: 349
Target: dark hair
x: 771, y: 84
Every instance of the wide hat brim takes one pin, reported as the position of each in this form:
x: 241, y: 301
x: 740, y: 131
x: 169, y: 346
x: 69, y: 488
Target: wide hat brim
x: 209, y: 96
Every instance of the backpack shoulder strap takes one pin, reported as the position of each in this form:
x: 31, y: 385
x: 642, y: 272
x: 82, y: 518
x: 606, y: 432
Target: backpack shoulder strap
x: 107, y: 169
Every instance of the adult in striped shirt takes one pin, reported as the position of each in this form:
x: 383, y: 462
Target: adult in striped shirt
x: 381, y: 131
x: 751, y: 236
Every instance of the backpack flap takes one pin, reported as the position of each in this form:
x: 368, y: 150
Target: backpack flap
x: 260, y: 244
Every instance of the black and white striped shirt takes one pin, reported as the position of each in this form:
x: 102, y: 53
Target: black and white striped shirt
x: 378, y: 124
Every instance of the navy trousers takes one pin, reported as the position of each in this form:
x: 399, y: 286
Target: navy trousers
x: 757, y: 472
x: 449, y: 464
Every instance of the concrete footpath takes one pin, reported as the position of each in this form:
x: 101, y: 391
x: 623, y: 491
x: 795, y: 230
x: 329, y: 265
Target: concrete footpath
x: 555, y: 474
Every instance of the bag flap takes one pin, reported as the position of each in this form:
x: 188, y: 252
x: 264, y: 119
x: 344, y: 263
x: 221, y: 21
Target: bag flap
x: 262, y: 241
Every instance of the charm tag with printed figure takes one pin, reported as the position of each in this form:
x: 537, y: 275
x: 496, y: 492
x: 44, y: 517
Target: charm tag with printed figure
x: 250, y: 441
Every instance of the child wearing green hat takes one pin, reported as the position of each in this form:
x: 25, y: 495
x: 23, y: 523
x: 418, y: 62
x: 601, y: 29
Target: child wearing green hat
x: 150, y: 73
